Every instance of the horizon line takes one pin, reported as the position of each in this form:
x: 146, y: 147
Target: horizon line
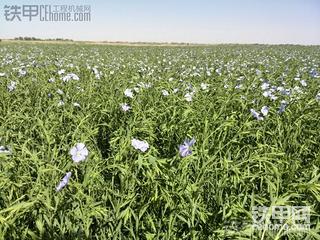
x: 123, y: 42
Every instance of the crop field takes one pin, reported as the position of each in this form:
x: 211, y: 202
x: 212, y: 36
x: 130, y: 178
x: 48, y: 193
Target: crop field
x: 157, y: 142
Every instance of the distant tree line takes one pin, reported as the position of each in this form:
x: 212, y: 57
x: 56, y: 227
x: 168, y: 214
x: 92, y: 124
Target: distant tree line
x: 155, y: 43
x: 39, y: 39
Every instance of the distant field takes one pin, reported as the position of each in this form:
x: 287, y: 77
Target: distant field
x: 101, y: 43
x: 149, y: 142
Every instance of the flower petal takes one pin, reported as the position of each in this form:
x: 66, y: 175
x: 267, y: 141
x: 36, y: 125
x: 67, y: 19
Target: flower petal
x: 80, y: 146
x: 63, y: 182
x: 73, y: 151
x: 84, y: 151
x: 77, y: 158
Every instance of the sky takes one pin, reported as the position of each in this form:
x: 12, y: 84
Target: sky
x: 193, y: 21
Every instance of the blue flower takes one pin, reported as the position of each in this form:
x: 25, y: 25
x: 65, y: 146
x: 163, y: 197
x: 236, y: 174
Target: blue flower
x: 140, y: 145
x: 283, y: 106
x: 165, y: 93
x: 128, y: 92
x: 265, y: 110
x: 125, y: 107
x: 184, y: 149
x: 79, y: 152
x: 12, y: 86
x: 63, y: 182
x: 303, y: 83
x: 314, y: 73
x: 4, y: 150
x: 256, y: 114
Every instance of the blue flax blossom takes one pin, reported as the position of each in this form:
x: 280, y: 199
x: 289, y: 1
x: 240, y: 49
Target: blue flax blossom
x: 165, y: 93
x: 204, y: 86
x: 79, y: 152
x: 125, y: 107
x: 184, y: 149
x: 63, y: 182
x: 128, y: 92
x: 12, y: 86
x: 314, y: 73
x: 140, y: 145
x: 283, y: 106
x: 256, y: 114
x: 265, y: 110
x: 4, y: 150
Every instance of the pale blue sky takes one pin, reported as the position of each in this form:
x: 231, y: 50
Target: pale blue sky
x: 198, y: 21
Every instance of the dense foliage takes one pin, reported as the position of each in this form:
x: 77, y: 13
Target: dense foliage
x: 253, y: 111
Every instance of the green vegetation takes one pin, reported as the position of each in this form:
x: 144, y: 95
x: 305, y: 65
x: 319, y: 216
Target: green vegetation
x: 119, y: 192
